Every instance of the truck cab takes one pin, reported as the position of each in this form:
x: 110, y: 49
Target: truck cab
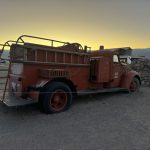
x: 107, y: 69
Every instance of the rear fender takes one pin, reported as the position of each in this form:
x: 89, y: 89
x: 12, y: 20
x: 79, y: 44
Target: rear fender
x: 127, y: 79
x: 34, y: 91
x: 44, y: 83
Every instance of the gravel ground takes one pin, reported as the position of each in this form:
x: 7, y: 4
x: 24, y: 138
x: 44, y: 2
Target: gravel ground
x: 114, y: 121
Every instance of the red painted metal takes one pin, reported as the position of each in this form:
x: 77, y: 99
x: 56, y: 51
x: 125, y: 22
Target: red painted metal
x: 127, y: 78
x: 58, y: 100
x: 83, y: 68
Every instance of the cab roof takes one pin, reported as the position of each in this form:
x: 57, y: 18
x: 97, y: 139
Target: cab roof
x: 103, y: 52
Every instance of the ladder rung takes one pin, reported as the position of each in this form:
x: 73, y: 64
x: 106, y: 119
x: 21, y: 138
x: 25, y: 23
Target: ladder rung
x: 3, y: 69
x: 3, y: 77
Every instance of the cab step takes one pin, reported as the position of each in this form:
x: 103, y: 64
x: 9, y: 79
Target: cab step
x: 88, y: 92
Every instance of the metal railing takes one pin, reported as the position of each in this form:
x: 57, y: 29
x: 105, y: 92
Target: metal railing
x: 52, y: 42
x: 20, y: 39
x: 6, y: 44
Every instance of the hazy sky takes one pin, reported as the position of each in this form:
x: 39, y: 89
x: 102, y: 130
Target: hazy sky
x: 113, y: 23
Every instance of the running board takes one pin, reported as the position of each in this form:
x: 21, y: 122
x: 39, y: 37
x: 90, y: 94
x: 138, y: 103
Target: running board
x: 88, y: 92
x: 12, y: 101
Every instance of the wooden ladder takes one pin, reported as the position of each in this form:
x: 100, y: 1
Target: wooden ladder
x: 4, y: 78
x: 4, y: 72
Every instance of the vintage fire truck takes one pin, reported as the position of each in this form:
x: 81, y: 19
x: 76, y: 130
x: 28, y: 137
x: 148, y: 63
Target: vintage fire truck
x: 54, y: 74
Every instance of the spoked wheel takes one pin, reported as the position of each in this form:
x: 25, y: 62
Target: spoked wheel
x: 135, y: 85
x: 55, y: 98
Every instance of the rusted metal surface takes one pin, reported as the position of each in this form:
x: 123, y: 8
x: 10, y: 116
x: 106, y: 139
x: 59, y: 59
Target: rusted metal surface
x: 101, y: 68
x: 54, y: 73
x: 33, y: 66
x: 58, y: 100
x: 127, y: 79
x: 48, y: 55
x: 31, y: 74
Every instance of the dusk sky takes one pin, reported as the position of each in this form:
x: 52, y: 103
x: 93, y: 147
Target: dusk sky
x: 112, y: 23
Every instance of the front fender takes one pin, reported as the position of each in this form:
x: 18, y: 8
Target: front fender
x: 128, y: 77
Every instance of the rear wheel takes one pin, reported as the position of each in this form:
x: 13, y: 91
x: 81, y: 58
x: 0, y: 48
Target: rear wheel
x: 57, y: 97
x: 135, y: 85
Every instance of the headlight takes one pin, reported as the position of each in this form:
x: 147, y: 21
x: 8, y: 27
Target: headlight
x: 17, y: 68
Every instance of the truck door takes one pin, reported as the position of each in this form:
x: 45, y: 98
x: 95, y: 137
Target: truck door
x: 100, y: 69
x: 116, y: 71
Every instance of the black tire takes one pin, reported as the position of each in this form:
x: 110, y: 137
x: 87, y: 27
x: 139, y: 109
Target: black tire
x: 56, y: 94
x: 135, y: 85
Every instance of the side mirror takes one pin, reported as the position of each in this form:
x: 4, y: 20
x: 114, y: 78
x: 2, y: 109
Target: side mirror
x: 129, y: 60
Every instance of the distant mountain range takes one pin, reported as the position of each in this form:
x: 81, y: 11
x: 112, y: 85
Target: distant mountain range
x: 141, y: 53
x: 135, y: 53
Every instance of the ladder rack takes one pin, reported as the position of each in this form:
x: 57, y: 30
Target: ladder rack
x: 21, y: 39
x: 52, y: 42
x: 60, y: 50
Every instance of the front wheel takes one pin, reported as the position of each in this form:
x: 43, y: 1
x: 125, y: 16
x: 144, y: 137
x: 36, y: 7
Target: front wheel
x: 135, y: 85
x: 57, y: 97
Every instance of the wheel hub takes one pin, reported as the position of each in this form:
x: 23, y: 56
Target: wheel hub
x: 58, y: 100
x: 133, y: 86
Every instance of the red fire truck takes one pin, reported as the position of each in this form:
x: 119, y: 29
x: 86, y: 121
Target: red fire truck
x: 53, y: 75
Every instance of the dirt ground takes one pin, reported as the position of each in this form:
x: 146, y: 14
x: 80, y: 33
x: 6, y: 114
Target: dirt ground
x: 114, y: 121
